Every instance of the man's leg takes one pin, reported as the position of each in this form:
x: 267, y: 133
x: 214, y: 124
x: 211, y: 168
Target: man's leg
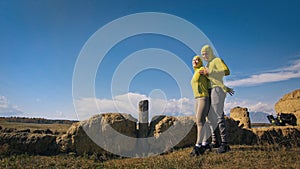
x: 217, y: 105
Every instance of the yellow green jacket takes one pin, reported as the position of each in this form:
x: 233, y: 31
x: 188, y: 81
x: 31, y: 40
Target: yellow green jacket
x: 199, y: 82
x: 217, y: 69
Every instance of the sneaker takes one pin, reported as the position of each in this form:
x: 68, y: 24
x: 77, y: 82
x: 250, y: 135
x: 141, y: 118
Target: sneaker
x: 223, y: 148
x: 207, y: 147
x: 197, y: 151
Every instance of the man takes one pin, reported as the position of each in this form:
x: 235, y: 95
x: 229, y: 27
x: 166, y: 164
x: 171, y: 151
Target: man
x: 215, y: 70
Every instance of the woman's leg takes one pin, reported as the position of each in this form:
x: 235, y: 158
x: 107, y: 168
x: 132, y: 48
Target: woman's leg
x: 201, y: 111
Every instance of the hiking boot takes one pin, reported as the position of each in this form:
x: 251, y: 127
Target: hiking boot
x: 215, y: 145
x: 223, y: 148
x: 197, y: 151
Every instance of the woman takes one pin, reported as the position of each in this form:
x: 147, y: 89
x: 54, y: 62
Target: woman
x: 199, y: 85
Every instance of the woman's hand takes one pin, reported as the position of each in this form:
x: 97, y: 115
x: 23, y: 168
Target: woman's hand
x: 203, y: 71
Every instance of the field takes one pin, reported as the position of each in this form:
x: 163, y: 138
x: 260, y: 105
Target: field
x: 61, y: 128
x: 241, y: 156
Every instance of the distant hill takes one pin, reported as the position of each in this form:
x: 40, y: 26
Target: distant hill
x: 259, y: 117
x: 255, y: 117
x: 36, y: 120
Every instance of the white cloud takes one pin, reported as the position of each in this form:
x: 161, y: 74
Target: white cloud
x: 294, y: 66
x: 251, y: 106
x: 286, y: 73
x: 128, y: 103
x: 180, y: 107
x: 7, y: 109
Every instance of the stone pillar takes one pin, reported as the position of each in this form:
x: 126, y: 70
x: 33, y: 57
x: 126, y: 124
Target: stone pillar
x: 143, y: 123
x: 242, y: 115
x: 143, y: 129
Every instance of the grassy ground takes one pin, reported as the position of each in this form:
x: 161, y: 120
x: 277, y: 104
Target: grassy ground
x: 239, y: 157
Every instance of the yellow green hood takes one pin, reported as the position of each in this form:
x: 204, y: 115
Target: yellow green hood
x: 209, y: 51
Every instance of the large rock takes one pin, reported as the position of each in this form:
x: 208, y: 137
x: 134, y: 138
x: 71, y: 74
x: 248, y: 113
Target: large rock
x: 286, y: 136
x: 101, y: 134
x: 174, y: 131
x: 187, y: 125
x: 242, y: 115
x: 290, y: 103
x: 167, y: 132
x: 236, y: 134
x: 13, y: 141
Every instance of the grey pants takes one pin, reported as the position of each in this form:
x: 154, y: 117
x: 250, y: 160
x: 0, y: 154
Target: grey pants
x: 216, y: 114
x: 201, y: 110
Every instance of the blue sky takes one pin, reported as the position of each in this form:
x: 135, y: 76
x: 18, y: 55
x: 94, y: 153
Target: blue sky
x: 41, y: 41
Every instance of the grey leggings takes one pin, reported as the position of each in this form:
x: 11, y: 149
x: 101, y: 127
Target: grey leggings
x: 201, y: 110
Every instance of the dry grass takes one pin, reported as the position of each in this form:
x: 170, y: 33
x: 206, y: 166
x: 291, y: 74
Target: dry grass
x: 239, y: 157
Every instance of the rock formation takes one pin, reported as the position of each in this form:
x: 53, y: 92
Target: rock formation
x: 181, y: 134
x: 13, y: 141
x: 99, y: 133
x: 290, y: 103
x: 286, y: 136
x: 236, y: 134
x: 116, y: 133
x: 239, y: 135
x: 242, y: 115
